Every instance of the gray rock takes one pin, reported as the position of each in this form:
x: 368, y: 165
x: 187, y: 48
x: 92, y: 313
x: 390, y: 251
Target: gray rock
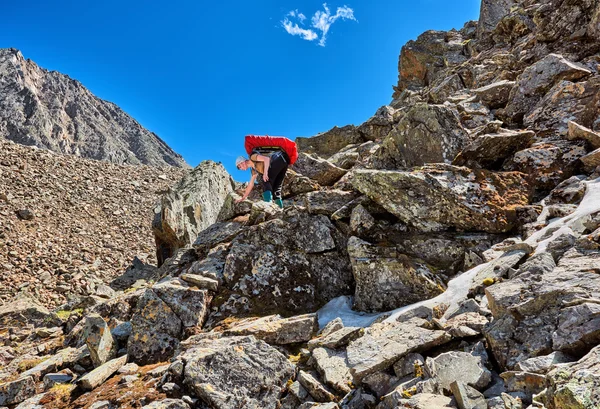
x: 234, y: 372
x: 336, y: 339
x: 496, y: 269
x: 17, y: 391
x: 99, y: 340
x: 312, y: 405
x: 552, y: 307
x: 327, y: 202
x: 577, y: 131
x: 396, y: 279
x: 129, y: 369
x: 99, y: 375
x: 328, y: 143
x: 591, y: 161
x: 272, y: 265
x: 495, y: 95
x: 331, y: 327
x: 450, y: 366
x: 274, y: 329
x: 407, y: 365
x: 137, y: 271
x: 443, y: 88
x: 122, y: 332
x: 419, y: 401
x: 429, y: 198
x: 491, y: 12
x: 570, y: 191
x: 382, y: 383
x: 525, y: 383
x: 320, y: 170
x: 200, y: 281
x: 222, y: 232
x: 298, y: 391
x: 81, y: 124
x: 52, y: 379
x: 167, y: 404
x: 190, y: 207
x: 156, y: 330
x: 65, y: 358
x: 333, y: 367
x: 384, y: 344
x: 543, y: 364
x: 489, y: 151
x: 576, y: 384
x: 427, y: 134
x: 188, y: 303
x: 103, y: 404
x: 361, y: 221
x: 467, y: 397
x: 314, y: 387
x: 566, y: 101
x: 23, y: 310
x: 537, y: 79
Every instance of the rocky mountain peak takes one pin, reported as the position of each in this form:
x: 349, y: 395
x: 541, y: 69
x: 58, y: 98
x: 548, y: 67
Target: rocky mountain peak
x: 49, y: 110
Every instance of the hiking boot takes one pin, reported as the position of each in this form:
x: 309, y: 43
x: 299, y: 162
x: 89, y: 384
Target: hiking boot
x: 268, y: 196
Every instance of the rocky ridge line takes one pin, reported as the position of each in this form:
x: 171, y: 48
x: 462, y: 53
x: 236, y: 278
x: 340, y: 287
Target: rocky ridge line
x: 49, y: 110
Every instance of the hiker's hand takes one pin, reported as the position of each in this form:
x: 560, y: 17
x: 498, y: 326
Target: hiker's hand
x: 240, y: 200
x: 266, y: 177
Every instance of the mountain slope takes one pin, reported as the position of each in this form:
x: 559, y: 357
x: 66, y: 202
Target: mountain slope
x: 49, y: 110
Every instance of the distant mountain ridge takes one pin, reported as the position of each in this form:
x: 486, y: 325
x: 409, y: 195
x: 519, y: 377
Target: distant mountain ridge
x: 49, y: 110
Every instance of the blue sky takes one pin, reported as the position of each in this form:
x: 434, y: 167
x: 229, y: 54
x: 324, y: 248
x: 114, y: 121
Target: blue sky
x: 204, y: 74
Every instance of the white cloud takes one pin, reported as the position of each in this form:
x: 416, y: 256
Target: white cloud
x: 321, y: 21
x: 295, y: 30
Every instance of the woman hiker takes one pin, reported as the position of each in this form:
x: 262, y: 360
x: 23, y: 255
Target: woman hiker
x: 271, y: 171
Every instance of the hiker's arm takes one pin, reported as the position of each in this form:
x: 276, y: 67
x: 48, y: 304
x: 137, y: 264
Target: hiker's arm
x: 267, y: 161
x: 248, y: 188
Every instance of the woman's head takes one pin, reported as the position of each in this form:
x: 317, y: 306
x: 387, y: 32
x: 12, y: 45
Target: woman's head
x: 241, y: 163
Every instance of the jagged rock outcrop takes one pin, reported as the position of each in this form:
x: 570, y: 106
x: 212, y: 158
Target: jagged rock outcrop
x: 236, y: 372
x: 436, y: 197
x: 49, y: 110
x: 426, y: 134
x: 396, y: 278
x: 190, y: 207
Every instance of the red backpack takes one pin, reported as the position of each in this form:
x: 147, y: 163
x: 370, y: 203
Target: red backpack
x: 268, y: 144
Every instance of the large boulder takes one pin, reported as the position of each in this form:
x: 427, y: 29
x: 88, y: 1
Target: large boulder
x: 236, y: 372
x: 427, y: 134
x: 437, y: 197
x: 274, y: 329
x: 379, y: 125
x: 99, y: 340
x: 190, y: 207
x: 320, y: 170
x: 536, y: 80
x: 156, y: 331
x: 328, y: 143
x: 385, y: 343
x: 489, y: 151
x: 545, y: 165
x: 397, y: 279
x: 23, y: 310
x: 289, y: 265
x: 566, y: 101
x: 575, y: 385
x: 545, y: 310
